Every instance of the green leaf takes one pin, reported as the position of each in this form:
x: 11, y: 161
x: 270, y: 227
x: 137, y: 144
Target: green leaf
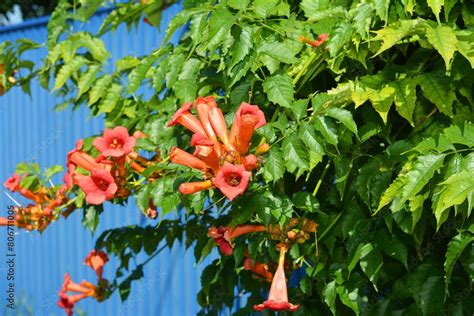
x: 426, y: 285
x: 91, y: 216
x: 220, y: 23
x: 93, y: 44
x: 410, y: 181
x: 138, y: 73
x: 466, y: 45
x: 186, y: 90
x: 405, y: 97
x: 457, y: 188
x: 279, y: 89
x: 329, y: 294
x: 114, y: 94
x: 308, y: 137
x: 435, y: 6
x: 67, y: 70
x: 99, y: 89
x: 86, y: 80
x: 126, y: 63
x: 243, y: 45
x: 444, y: 41
x: 296, y: 156
x: 439, y: 89
x: 52, y: 171
x: 464, y: 137
x: 395, y: 32
x: 455, y: 248
x: 371, y: 265
x: 361, y: 251
x: 381, y: 8
x: 280, y: 51
x: 342, y: 35
x: 328, y: 133
x: 274, y: 165
x: 343, y: 116
x: 264, y: 8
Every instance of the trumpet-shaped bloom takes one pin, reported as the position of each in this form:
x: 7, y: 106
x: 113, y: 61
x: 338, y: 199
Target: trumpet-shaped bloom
x: 223, y: 235
x: 115, y: 143
x: 278, y: 297
x: 96, y: 260
x: 184, y: 117
x: 258, y: 268
x: 232, y: 180
x: 98, y: 187
x: 193, y: 187
x: 13, y: 183
x: 184, y: 158
x: 84, y: 289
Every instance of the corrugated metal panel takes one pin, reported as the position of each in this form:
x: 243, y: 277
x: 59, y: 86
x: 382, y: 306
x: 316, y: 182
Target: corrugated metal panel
x: 33, y: 131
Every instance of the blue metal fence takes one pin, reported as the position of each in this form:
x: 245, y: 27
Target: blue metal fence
x: 33, y: 131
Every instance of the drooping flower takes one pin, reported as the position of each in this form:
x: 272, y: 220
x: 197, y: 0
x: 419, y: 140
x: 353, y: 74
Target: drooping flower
x: 98, y: 187
x: 278, y: 296
x: 13, y: 183
x: 96, y: 260
x: 115, y: 143
x: 223, y: 235
x: 84, y: 289
x: 184, y: 117
x: 203, y: 106
x: 232, y: 180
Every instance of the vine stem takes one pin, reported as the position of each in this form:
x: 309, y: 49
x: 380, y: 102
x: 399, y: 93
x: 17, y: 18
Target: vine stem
x: 320, y: 181
x: 334, y: 222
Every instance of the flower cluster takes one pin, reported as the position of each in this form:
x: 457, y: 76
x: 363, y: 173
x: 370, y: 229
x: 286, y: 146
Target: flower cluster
x: 39, y: 214
x: 223, y: 235
x: 222, y: 157
x: 96, y: 260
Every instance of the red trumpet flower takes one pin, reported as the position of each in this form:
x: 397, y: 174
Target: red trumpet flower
x: 278, y: 297
x: 184, y: 117
x: 115, y: 143
x: 13, y: 183
x: 232, y: 180
x: 99, y: 186
x: 96, y: 260
x: 184, y: 158
x: 223, y: 235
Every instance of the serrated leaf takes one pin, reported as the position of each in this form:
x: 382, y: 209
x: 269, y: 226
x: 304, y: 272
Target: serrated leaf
x: 371, y: 265
x: 296, y: 156
x: 439, y: 89
x: 279, y: 89
x: 328, y: 133
x: 220, y: 23
x: 464, y: 137
x: 138, y: 73
x: 466, y: 45
x: 455, y: 248
x: 67, y: 70
x: 243, y: 45
x: 381, y: 8
x: 444, y: 41
x: 114, y: 94
x: 51, y: 171
x: 457, y: 188
x: 315, y: 150
x: 274, y: 165
x: 91, y: 217
x: 405, y: 97
x: 99, y: 89
x: 362, y: 19
x: 361, y: 251
x: 329, y: 294
x: 343, y: 116
x: 86, y: 80
x: 280, y: 51
x: 395, y: 32
x: 186, y: 90
x: 126, y: 63
x: 410, y: 182
x: 435, y: 6
x: 264, y: 8
x: 342, y: 35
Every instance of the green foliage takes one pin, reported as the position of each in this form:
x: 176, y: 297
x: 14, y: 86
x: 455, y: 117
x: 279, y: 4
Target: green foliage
x: 370, y: 135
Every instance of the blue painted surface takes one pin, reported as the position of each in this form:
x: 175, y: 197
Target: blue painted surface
x: 33, y: 131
